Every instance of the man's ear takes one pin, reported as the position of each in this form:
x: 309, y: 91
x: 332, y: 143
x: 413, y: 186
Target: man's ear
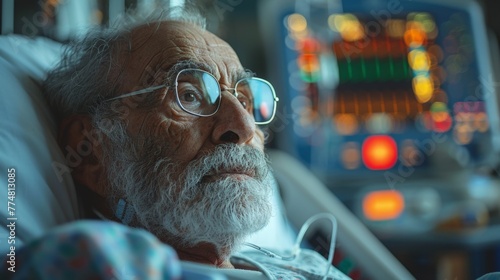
x: 82, y: 144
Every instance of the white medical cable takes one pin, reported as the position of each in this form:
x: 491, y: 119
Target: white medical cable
x: 333, y: 237
x: 300, y: 237
x: 269, y: 253
x: 261, y: 268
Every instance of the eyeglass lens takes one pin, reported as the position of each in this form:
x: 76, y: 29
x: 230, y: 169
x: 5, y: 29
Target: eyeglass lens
x: 261, y: 98
x: 198, y: 92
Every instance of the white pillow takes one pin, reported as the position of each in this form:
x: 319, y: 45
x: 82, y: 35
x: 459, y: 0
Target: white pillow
x: 28, y: 144
x: 278, y: 235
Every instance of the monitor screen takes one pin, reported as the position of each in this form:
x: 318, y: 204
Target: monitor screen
x: 376, y: 89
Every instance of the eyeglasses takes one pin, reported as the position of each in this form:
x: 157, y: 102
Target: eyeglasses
x: 199, y: 93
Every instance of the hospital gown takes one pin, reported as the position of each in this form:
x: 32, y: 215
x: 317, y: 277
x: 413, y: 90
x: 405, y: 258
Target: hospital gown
x: 95, y: 250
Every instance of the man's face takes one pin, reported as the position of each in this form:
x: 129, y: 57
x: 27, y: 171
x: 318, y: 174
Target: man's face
x: 188, y: 137
x: 190, y: 179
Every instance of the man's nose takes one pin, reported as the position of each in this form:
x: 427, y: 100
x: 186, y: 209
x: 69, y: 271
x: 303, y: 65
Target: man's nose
x: 233, y: 122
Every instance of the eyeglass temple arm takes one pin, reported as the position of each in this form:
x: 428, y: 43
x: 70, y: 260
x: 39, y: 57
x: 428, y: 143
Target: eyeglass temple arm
x: 235, y: 93
x: 137, y: 92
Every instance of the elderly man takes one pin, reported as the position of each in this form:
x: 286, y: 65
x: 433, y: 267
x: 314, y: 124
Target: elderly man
x: 167, y: 118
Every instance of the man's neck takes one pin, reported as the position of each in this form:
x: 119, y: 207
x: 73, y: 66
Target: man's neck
x: 93, y: 205
x: 203, y: 253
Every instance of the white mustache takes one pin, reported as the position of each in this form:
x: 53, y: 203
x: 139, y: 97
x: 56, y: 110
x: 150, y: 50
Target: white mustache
x: 228, y: 158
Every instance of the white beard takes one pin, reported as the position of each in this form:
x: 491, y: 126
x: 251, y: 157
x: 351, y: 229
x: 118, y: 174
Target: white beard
x: 201, y: 206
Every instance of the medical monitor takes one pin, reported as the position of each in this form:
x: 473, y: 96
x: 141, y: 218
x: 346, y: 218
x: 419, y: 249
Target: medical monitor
x: 374, y: 88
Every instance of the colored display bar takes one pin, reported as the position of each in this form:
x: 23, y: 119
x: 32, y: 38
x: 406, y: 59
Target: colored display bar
x: 371, y: 47
x: 374, y: 70
x: 395, y: 102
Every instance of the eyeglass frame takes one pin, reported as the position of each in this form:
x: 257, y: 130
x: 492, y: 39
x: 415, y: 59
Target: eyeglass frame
x: 234, y: 93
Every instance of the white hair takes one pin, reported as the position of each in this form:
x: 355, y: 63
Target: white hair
x: 89, y: 71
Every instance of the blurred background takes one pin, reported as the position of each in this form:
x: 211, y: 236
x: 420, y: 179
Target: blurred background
x: 393, y: 104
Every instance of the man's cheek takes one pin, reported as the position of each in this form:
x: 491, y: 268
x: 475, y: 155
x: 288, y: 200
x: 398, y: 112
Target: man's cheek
x: 259, y: 139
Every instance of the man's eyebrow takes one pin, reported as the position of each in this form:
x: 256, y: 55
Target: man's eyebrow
x: 245, y: 74
x: 186, y: 64
x: 190, y: 64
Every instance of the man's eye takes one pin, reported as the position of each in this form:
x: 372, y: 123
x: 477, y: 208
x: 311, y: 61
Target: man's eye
x: 244, y: 100
x: 189, y: 97
x: 244, y: 103
x: 189, y: 93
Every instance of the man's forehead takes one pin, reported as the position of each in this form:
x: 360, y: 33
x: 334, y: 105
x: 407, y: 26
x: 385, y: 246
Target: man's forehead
x: 174, y: 34
x: 161, y: 45
x: 236, y: 73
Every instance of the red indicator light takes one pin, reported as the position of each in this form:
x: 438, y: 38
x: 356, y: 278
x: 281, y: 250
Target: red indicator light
x: 309, y: 46
x: 308, y: 63
x: 443, y: 125
x: 379, y: 152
